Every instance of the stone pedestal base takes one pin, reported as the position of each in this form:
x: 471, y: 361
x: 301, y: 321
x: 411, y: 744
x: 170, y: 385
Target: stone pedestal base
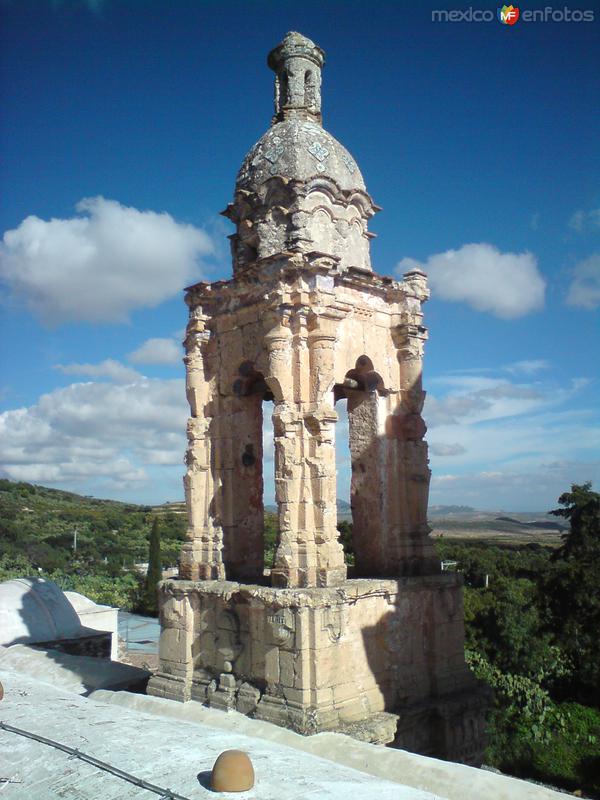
x: 381, y: 660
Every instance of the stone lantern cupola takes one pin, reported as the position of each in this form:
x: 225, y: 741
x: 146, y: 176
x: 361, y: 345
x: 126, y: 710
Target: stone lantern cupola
x: 297, y: 64
x: 306, y: 324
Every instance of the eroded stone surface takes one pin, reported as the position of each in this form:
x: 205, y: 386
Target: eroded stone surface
x: 305, y: 323
x: 340, y: 658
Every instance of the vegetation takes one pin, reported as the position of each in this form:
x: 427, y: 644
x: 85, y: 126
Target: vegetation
x: 270, y: 540
x: 85, y: 545
x: 573, y: 591
x: 154, y: 573
x: 532, y: 635
x: 531, y: 625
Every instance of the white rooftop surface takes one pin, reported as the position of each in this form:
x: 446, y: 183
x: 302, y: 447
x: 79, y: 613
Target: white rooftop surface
x: 172, y: 744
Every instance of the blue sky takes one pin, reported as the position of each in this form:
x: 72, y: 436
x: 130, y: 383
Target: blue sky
x: 124, y: 124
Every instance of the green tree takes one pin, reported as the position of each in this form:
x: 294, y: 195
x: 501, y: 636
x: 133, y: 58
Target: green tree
x: 504, y: 624
x: 345, y: 535
x: 154, y: 574
x: 271, y: 533
x: 573, y: 592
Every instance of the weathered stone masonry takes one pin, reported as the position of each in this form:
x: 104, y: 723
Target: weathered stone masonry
x: 305, y: 322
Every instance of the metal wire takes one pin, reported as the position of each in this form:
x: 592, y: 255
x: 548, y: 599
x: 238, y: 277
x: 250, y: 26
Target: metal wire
x: 165, y: 794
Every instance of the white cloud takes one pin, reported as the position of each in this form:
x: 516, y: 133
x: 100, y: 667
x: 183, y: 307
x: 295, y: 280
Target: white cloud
x: 492, y: 440
x: 584, y: 291
x: 527, y: 367
x: 523, y: 487
x: 102, y: 264
x: 470, y: 399
x: 581, y: 221
x: 577, y: 221
x: 157, y: 351
x: 508, y: 285
x: 454, y: 449
x: 509, y: 433
x: 97, y: 434
x: 448, y: 410
x: 109, y: 368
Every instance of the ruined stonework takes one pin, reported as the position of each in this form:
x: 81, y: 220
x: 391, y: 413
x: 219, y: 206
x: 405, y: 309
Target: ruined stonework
x: 305, y: 323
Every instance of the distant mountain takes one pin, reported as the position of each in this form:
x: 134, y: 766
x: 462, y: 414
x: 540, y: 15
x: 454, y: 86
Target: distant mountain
x: 343, y: 508
x: 442, y: 511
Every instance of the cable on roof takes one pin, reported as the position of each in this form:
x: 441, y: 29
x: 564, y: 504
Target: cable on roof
x: 165, y: 794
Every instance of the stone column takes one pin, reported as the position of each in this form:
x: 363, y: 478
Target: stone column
x: 201, y: 556
x: 308, y: 553
x: 290, y: 554
x: 331, y: 568
x: 325, y: 565
x: 407, y: 451
x: 280, y: 379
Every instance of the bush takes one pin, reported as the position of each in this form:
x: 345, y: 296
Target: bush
x: 571, y: 758
x: 121, y: 592
x: 16, y: 565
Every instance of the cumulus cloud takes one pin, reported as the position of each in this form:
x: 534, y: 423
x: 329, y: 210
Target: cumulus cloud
x: 157, y: 351
x: 508, y: 285
x: 109, y: 368
x: 581, y: 221
x: 584, y: 291
x: 100, y: 265
x: 96, y: 432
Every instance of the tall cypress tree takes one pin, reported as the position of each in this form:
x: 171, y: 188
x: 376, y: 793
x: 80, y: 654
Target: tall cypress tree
x: 154, y: 574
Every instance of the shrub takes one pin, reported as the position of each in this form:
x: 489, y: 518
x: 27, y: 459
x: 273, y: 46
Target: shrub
x: 571, y: 758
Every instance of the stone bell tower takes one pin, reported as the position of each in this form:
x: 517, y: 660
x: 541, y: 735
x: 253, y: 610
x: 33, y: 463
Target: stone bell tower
x: 306, y: 323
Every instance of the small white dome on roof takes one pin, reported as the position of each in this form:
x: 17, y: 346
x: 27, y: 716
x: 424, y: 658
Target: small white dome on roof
x: 35, y: 610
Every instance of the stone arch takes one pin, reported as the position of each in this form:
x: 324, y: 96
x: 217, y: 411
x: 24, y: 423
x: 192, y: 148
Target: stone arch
x: 310, y: 88
x: 324, y: 185
x: 364, y: 390
x: 251, y: 381
x: 321, y: 227
x: 361, y: 378
x: 283, y: 89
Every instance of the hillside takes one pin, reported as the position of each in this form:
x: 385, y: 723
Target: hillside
x: 53, y: 529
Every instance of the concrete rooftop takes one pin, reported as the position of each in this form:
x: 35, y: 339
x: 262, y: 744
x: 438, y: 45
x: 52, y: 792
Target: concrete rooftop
x: 174, y: 746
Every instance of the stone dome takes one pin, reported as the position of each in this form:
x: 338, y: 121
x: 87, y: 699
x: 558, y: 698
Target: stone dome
x: 299, y: 149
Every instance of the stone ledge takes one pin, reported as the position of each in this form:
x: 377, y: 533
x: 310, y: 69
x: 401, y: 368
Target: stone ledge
x: 348, y: 591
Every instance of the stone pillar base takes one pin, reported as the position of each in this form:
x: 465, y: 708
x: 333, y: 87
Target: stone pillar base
x: 381, y: 660
x: 169, y: 686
